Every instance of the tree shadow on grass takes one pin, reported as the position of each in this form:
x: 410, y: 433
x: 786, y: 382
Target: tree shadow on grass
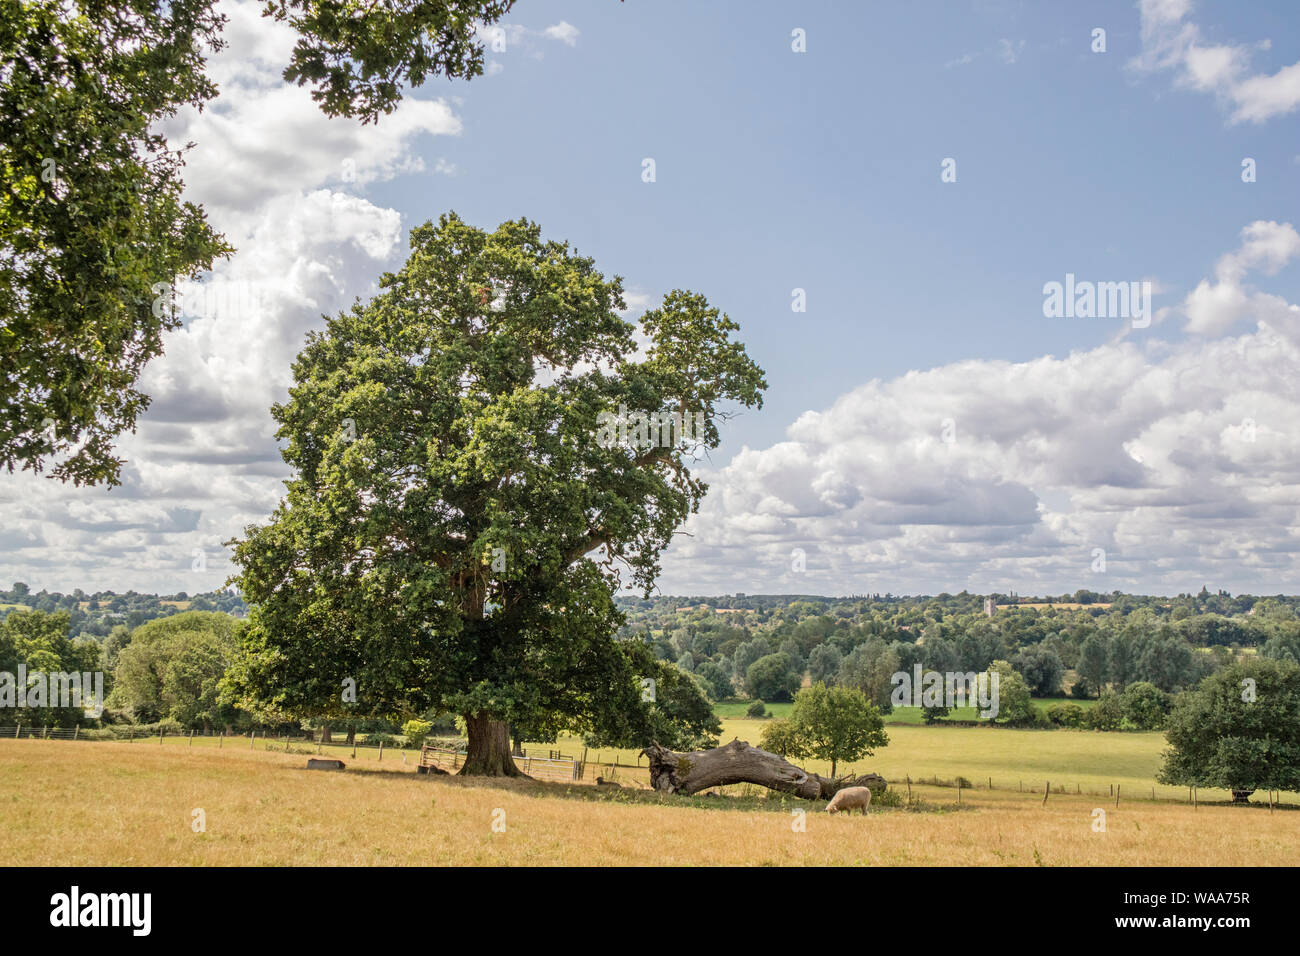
x: 762, y: 800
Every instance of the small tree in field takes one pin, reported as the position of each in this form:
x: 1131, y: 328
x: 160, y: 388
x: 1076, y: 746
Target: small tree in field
x: 1239, y: 730
x: 835, y: 724
x: 779, y: 737
x: 473, y: 473
x: 1014, y: 704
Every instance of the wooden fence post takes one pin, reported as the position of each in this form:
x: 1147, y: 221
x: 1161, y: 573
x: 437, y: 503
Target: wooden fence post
x: 990, y: 783
x: 76, y: 730
x: 1047, y: 791
x: 252, y: 737
x: 909, y: 789
x: 221, y: 739
x: 191, y: 737
x: 381, y: 750
x: 1117, y: 795
x: 1194, y: 798
x: 16, y: 730
x: 131, y: 736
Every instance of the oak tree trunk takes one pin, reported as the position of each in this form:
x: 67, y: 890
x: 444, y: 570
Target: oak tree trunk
x: 738, y: 762
x: 489, y: 748
x: 325, y: 736
x: 352, y: 735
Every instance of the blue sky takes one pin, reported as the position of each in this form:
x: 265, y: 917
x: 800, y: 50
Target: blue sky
x: 820, y: 170
x: 927, y: 428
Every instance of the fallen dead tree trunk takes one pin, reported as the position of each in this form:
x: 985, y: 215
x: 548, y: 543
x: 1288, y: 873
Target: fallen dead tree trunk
x: 738, y: 762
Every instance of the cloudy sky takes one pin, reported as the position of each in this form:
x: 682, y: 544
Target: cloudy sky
x: 920, y: 171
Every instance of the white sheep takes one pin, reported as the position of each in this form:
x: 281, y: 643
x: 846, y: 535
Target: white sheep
x: 850, y: 799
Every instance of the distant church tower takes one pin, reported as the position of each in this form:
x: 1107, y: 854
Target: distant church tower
x: 989, y: 607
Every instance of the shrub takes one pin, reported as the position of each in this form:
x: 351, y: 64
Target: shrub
x: 1108, y: 714
x: 415, y: 731
x: 780, y: 737
x: 932, y: 715
x: 886, y: 798
x: 756, y: 709
x: 388, y: 740
x: 1067, y: 715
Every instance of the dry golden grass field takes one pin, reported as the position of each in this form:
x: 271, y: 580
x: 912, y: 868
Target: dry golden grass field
x: 82, y: 804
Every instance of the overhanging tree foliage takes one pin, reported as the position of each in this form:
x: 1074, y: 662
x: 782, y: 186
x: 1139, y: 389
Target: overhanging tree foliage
x: 458, y: 519
x: 91, y: 218
x: 357, y: 56
x: 93, y: 231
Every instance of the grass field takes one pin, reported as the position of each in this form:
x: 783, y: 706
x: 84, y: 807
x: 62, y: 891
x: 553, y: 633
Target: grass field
x: 1070, y: 759
x: 1081, y: 762
x: 64, y: 803
x: 730, y: 709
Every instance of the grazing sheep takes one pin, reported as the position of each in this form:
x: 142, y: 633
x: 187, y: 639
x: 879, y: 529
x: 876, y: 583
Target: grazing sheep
x: 850, y: 799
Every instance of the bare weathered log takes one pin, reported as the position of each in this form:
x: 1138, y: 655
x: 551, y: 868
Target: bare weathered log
x: 739, y: 762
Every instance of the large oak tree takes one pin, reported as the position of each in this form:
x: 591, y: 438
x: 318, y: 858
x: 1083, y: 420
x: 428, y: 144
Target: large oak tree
x: 1239, y: 730
x: 458, y: 522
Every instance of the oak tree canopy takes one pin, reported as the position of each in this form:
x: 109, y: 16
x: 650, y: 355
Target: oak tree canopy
x: 455, y: 529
